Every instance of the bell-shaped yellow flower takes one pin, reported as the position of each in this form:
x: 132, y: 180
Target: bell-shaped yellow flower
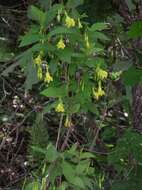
x: 61, y: 44
x: 99, y: 93
x: 60, y: 107
x: 87, y: 41
x: 79, y: 24
x: 39, y: 72
x: 38, y: 60
x: 69, y: 22
x: 68, y: 122
x: 101, y: 74
x: 48, y: 78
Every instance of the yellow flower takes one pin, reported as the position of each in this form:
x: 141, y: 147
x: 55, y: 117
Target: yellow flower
x: 68, y: 122
x: 60, y: 44
x: 38, y: 60
x: 69, y: 22
x: 60, y: 107
x: 87, y: 41
x: 79, y: 24
x: 99, y: 93
x: 101, y: 74
x: 39, y: 72
x: 48, y: 78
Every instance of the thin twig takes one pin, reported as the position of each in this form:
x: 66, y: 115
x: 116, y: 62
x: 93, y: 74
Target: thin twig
x: 59, y: 131
x: 66, y: 139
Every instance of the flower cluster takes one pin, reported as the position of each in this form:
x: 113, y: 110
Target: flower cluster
x: 87, y: 41
x: 48, y: 78
x: 38, y: 60
x: 79, y: 24
x: 61, y: 44
x: 60, y: 107
x: 68, y: 122
x: 101, y: 74
x: 39, y: 73
x: 99, y: 93
x: 69, y: 22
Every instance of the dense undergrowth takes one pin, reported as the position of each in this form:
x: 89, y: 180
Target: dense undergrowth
x: 66, y: 108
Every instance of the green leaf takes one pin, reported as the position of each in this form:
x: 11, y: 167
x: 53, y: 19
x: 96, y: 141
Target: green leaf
x: 31, y: 76
x: 65, y: 54
x: 55, y: 92
x: 91, y: 62
x: 135, y: 30
x: 51, y: 153
x: 36, y: 14
x: 56, y: 171
x: 59, y: 30
x: 38, y: 149
x: 77, y: 181
x: 132, y: 76
x: 68, y: 171
x: 82, y: 167
x: 29, y: 39
x: 99, y: 27
x: 51, y: 14
x: 73, y: 108
x: 100, y: 35
x: 85, y: 155
x: 48, y: 107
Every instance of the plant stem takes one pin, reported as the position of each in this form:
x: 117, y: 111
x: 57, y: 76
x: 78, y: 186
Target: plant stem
x: 59, y: 130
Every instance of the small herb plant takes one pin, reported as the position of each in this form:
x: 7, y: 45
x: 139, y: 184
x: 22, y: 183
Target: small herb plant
x: 64, y: 53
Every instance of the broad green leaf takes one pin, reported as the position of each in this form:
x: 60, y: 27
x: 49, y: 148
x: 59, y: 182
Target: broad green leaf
x: 55, y: 92
x: 48, y: 107
x: 94, y: 62
x: 26, y: 61
x: 38, y: 149
x: 132, y: 76
x: 56, y: 171
x: 51, y: 153
x: 31, y: 75
x: 36, y: 14
x: 99, y: 27
x: 82, y: 167
x: 65, y: 54
x: 59, y: 30
x: 135, y: 30
x: 29, y: 39
x: 74, y: 108
x: 51, y: 14
x: 77, y: 181
x: 88, y: 182
x: 100, y: 35
x: 68, y: 171
x: 85, y: 155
